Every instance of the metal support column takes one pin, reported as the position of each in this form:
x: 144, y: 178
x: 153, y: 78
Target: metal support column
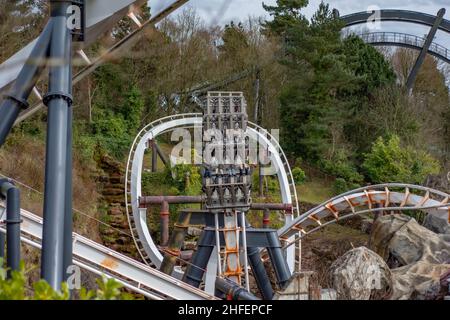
x: 196, y: 270
x: 58, y: 101
x: 260, y: 273
x: 154, y: 156
x: 266, y: 219
x: 415, y: 71
x: 2, y: 247
x: 16, y: 100
x: 233, y: 291
x: 68, y: 219
x: 279, y: 262
x: 164, y: 221
x: 161, y: 154
x: 12, y: 195
x: 175, y: 244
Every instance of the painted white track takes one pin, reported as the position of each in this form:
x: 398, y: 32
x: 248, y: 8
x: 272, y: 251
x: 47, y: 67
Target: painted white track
x: 372, y: 198
x: 100, y: 260
x: 137, y: 217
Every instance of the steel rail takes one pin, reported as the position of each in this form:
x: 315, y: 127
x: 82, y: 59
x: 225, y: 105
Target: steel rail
x: 136, y: 216
x: 395, y: 15
x: 351, y: 215
x: 103, y: 261
x: 371, y: 197
x: 405, y: 40
x: 122, y: 45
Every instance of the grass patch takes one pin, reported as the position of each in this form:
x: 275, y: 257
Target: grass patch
x: 315, y: 192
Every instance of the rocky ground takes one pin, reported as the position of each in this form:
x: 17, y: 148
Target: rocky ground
x: 403, y: 260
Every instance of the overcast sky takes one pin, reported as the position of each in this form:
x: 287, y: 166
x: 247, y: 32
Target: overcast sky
x: 223, y: 11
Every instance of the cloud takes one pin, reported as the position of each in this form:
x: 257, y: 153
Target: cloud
x: 223, y: 11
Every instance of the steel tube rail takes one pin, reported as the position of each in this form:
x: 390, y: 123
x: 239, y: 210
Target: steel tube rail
x: 260, y: 273
x: 405, y: 40
x: 136, y: 216
x: 68, y: 210
x: 164, y: 221
x: 120, y: 46
x: 104, y: 261
x: 173, y: 251
x: 12, y: 195
x: 356, y: 213
x: 16, y: 100
x: 232, y: 290
x: 58, y: 101
x: 423, y: 53
x: 2, y: 247
x: 370, y: 196
x: 155, y: 200
x: 395, y: 15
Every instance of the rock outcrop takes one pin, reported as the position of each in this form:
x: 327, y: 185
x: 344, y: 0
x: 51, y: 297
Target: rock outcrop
x: 419, y: 281
x: 361, y: 274
x: 418, y: 257
x: 438, y: 223
x: 113, y: 194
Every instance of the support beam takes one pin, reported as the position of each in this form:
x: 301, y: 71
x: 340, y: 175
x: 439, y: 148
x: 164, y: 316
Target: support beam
x: 233, y: 291
x: 11, y: 193
x: 260, y: 273
x: 164, y: 215
x: 16, y: 100
x: 161, y: 154
x: 68, y: 212
x: 154, y: 156
x: 196, y: 270
x: 415, y: 71
x: 266, y: 219
x: 58, y: 101
x: 2, y: 247
x: 173, y: 250
x: 120, y: 47
x: 147, y: 201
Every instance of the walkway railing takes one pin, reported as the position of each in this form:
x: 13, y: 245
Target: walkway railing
x: 410, y: 40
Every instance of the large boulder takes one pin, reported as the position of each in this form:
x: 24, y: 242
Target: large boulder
x: 418, y: 257
x: 402, y: 241
x: 419, y: 281
x: 437, y: 222
x: 361, y: 274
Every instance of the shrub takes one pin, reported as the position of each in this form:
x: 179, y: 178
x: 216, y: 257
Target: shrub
x: 389, y: 162
x: 341, y: 166
x: 14, y: 288
x: 299, y: 176
x: 341, y: 186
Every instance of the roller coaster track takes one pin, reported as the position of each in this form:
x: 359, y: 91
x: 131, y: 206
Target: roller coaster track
x: 405, y: 40
x: 147, y: 248
x: 385, y: 197
x: 100, y: 260
x: 119, y: 47
x: 397, y: 16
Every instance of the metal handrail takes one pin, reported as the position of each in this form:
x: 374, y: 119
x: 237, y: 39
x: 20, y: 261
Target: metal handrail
x: 405, y: 39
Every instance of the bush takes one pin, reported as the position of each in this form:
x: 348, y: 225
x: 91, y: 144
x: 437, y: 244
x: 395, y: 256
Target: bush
x: 341, y: 166
x: 341, y: 186
x: 14, y: 288
x: 389, y: 162
x: 187, y: 179
x: 299, y: 176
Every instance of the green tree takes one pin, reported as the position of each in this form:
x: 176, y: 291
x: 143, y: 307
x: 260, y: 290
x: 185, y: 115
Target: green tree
x: 286, y: 14
x: 388, y: 161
